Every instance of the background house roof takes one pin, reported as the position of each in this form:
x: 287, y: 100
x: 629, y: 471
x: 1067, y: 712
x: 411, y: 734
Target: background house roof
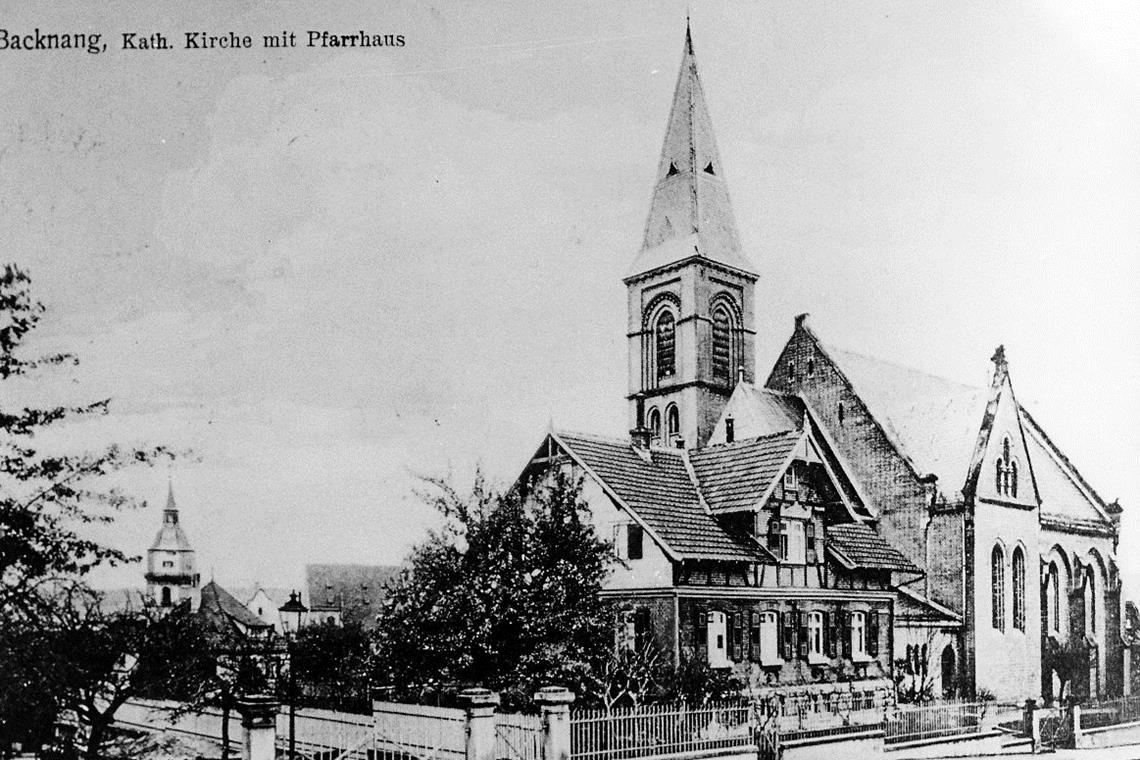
x: 356, y: 591
x: 224, y: 616
x: 662, y: 494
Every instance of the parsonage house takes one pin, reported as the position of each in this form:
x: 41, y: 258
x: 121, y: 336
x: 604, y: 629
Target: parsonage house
x: 840, y: 517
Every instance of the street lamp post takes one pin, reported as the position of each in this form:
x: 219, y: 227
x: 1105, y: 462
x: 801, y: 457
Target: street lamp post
x: 292, y: 617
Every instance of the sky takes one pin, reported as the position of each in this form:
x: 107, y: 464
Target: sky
x: 325, y: 273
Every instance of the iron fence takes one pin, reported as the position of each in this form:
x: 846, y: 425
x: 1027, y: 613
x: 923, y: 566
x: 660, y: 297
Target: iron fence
x: 419, y: 732
x: 1110, y: 712
x: 661, y: 730
x: 942, y: 720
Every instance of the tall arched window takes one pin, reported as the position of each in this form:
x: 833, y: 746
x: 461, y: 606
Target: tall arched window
x: 672, y: 423
x: 654, y: 423
x: 723, y: 357
x: 997, y: 580
x: 1090, y: 601
x: 165, y: 596
x: 665, y: 345
x: 1053, y: 589
x: 1018, y: 589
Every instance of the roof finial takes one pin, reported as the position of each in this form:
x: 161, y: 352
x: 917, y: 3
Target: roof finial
x: 999, y: 360
x: 688, y: 33
x: 170, y: 505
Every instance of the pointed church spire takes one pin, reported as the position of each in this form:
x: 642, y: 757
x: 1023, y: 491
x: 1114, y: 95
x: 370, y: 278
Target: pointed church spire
x: 690, y: 211
x: 170, y: 505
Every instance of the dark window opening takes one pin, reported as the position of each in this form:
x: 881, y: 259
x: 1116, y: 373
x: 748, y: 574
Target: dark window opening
x: 634, y: 538
x: 841, y: 413
x: 722, y: 344
x: 673, y: 422
x: 665, y: 333
x: 811, y: 368
x: 655, y: 424
x: 709, y: 169
x: 791, y: 370
x: 672, y: 169
x: 165, y: 596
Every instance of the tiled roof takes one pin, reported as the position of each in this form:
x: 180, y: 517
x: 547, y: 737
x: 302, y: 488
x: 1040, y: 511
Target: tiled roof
x: 914, y: 607
x: 934, y: 422
x: 858, y: 545
x: 356, y: 590
x: 661, y: 493
x: 220, y: 611
x: 735, y: 475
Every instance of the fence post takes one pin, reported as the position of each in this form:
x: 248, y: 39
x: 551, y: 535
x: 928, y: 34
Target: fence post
x: 555, y: 704
x: 258, y: 726
x: 1076, y: 713
x: 480, y: 706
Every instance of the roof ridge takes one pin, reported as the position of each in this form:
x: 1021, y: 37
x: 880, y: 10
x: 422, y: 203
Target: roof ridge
x: 742, y: 442
x: 618, y: 441
x: 832, y: 347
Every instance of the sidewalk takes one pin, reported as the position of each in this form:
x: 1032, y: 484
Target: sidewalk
x: 1130, y: 752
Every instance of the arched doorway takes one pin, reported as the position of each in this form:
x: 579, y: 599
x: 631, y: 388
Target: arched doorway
x: 949, y: 672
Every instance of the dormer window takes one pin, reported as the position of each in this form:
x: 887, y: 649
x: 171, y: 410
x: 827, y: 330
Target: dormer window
x: 791, y: 480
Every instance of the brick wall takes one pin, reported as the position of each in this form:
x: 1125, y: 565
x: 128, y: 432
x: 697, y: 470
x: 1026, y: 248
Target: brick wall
x: 884, y: 475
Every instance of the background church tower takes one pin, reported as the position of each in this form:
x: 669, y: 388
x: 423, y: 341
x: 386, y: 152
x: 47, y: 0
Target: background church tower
x: 171, y: 570
x: 691, y: 290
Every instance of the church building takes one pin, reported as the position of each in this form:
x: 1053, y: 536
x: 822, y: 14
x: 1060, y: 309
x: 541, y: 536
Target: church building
x: 837, y: 517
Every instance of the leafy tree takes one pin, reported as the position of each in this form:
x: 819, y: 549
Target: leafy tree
x: 505, y: 596
x: 331, y: 666
x: 46, y: 497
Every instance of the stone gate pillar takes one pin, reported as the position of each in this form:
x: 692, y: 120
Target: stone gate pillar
x: 480, y: 706
x: 258, y: 727
x: 555, y: 702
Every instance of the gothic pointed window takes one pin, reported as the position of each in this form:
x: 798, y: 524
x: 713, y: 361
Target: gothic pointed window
x: 672, y: 423
x: 672, y: 169
x: 665, y: 345
x: 655, y: 425
x: 997, y: 590
x: 1019, y: 589
x: 1005, y: 471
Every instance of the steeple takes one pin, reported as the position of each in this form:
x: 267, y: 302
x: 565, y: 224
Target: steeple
x: 690, y: 213
x: 171, y: 574
x: 691, y: 290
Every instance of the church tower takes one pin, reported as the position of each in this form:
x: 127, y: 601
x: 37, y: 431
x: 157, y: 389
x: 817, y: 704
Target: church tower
x: 171, y: 571
x: 690, y: 290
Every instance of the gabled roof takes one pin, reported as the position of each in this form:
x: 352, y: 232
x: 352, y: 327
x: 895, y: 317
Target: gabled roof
x: 658, y: 491
x: 224, y: 616
x: 933, y: 422
x: 356, y: 590
x: 857, y: 545
x: 690, y: 213
x: 758, y: 412
x: 1064, y: 493
x: 737, y: 475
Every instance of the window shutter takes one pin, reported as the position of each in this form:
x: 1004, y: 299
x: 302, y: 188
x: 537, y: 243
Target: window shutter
x: 774, y: 535
x: 754, y: 637
x: 803, y: 635
x: 784, y: 635
x: 845, y: 635
x: 738, y: 636
x: 633, y: 538
x: 811, y: 542
x: 828, y: 641
x: 873, y: 633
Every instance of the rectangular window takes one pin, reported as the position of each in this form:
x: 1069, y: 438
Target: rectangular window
x: 167, y: 563
x: 633, y: 541
x: 811, y: 550
x: 815, y: 636
x: 769, y: 633
x: 858, y: 636
x: 795, y: 545
x: 791, y: 482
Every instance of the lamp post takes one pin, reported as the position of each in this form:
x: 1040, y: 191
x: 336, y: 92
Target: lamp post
x: 292, y: 616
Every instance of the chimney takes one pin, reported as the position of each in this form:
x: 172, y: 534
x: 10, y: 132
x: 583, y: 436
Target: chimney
x: 802, y: 320
x: 729, y: 430
x: 639, y: 436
